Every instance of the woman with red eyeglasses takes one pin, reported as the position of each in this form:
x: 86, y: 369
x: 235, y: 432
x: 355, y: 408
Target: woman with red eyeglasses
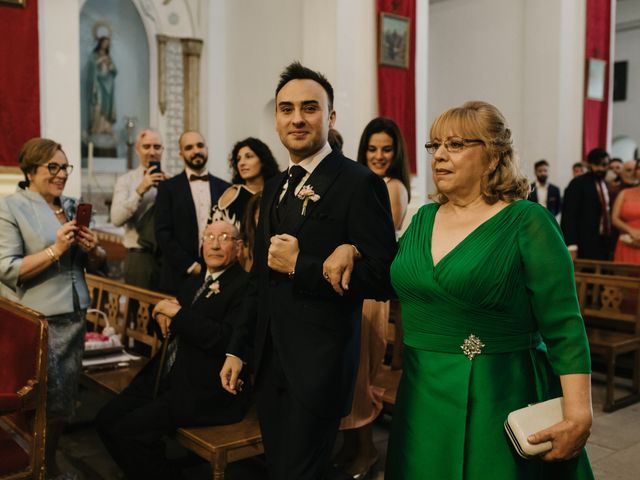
x: 43, y: 255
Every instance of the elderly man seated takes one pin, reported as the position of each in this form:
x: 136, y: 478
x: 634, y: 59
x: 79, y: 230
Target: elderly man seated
x: 197, y: 326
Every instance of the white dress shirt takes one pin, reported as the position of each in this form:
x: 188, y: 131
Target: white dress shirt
x: 542, y: 192
x: 127, y: 206
x: 201, y: 195
x: 309, y: 164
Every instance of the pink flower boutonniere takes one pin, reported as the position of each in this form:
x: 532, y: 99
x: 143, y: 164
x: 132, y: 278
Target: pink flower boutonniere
x: 214, y: 289
x: 305, y: 194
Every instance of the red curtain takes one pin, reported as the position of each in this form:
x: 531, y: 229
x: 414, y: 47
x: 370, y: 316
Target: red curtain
x: 597, y: 45
x: 19, y: 79
x: 397, y: 86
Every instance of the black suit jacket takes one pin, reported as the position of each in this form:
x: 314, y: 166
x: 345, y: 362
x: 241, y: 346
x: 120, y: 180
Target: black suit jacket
x: 176, y: 228
x: 581, y: 214
x: 315, y: 332
x: 554, y: 200
x: 202, y: 331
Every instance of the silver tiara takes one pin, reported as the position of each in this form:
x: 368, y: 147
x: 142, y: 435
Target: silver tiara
x: 222, y: 215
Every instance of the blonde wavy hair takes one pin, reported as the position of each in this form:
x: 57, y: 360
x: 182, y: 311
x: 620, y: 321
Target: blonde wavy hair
x: 502, y: 179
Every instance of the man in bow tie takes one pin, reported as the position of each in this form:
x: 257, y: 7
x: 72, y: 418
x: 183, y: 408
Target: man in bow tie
x: 307, y: 333
x: 183, y: 206
x: 198, y: 326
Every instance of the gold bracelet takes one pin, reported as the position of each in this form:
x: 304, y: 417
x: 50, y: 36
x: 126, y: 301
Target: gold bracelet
x: 52, y: 255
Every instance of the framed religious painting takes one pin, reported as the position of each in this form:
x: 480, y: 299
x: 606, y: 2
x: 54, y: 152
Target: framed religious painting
x: 596, y: 79
x: 21, y: 3
x: 394, y: 40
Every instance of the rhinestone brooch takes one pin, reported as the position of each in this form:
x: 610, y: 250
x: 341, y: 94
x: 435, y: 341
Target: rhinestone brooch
x: 472, y: 346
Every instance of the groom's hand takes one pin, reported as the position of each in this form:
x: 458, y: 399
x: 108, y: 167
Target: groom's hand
x: 283, y: 253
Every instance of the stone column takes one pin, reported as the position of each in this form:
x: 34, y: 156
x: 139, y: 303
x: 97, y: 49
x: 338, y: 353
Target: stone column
x: 175, y: 107
x: 191, y: 49
x: 162, y: 78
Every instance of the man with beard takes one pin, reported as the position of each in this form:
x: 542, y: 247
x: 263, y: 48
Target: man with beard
x: 182, y: 210
x: 546, y: 194
x: 586, y: 217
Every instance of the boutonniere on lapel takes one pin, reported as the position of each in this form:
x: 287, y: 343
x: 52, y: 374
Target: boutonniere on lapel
x: 305, y: 194
x: 214, y: 289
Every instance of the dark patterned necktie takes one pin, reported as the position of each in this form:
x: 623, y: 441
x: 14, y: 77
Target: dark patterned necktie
x: 207, y: 283
x: 295, y: 175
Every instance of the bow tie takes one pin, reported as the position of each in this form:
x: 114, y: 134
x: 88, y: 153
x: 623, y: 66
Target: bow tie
x: 193, y: 178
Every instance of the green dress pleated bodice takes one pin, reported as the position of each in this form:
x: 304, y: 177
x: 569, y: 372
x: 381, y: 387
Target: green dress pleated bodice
x: 506, y: 293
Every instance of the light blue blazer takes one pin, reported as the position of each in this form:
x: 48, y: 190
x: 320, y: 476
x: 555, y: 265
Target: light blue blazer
x: 28, y: 226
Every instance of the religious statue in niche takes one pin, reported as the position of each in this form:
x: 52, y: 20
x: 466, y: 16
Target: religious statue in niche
x: 101, y: 74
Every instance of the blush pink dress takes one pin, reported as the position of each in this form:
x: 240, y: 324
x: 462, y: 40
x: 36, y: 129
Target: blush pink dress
x: 629, y: 214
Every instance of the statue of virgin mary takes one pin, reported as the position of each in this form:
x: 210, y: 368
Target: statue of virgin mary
x: 101, y: 75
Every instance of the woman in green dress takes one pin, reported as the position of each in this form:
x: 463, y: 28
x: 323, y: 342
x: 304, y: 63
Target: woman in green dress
x: 491, y: 318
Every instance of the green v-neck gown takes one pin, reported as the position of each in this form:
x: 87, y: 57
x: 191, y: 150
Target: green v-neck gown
x: 510, y: 283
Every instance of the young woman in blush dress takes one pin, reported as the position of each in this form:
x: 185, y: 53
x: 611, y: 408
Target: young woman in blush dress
x: 382, y: 149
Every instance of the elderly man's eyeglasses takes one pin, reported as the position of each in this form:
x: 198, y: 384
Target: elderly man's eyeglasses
x: 452, y: 144
x: 222, y: 238
x: 54, y: 168
x: 155, y: 146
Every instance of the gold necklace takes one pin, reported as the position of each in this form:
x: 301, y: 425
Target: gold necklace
x: 59, y: 211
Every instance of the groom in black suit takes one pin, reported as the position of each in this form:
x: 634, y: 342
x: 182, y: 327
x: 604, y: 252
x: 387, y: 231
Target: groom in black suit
x: 198, y: 326
x: 183, y: 206
x: 306, y: 335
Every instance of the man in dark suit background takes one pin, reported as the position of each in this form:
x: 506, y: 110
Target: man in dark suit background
x: 586, y: 213
x: 199, y: 326
x: 307, y: 335
x: 183, y: 206
x: 542, y: 192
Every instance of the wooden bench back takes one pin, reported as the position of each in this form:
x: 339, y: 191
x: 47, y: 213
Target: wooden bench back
x: 23, y: 380
x: 127, y: 308
x: 606, y: 268
x: 611, y: 301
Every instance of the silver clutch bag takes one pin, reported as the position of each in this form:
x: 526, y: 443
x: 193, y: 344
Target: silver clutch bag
x: 528, y: 420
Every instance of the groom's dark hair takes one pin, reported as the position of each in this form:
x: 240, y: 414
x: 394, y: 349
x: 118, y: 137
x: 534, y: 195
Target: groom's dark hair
x: 297, y: 71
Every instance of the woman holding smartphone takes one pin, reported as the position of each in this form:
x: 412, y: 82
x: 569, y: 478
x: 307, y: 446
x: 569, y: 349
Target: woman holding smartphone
x: 43, y: 256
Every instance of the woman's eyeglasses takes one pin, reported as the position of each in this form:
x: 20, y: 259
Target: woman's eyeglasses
x: 222, y: 238
x: 54, y: 168
x: 452, y: 144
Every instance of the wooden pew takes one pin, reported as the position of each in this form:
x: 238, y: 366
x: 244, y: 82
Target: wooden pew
x: 606, y: 267
x: 388, y: 376
x: 127, y: 308
x: 23, y: 391
x: 610, y: 306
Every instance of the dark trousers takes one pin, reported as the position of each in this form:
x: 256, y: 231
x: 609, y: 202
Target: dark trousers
x: 141, y: 269
x: 600, y: 249
x: 132, y: 426
x: 297, y: 443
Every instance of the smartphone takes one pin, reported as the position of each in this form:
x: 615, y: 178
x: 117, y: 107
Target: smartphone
x: 154, y: 166
x: 83, y: 217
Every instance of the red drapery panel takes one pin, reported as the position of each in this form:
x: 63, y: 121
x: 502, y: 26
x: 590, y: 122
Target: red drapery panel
x: 19, y: 79
x: 598, y: 46
x: 397, y: 86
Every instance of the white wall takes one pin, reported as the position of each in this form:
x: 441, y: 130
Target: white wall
x: 524, y: 56
x: 626, y: 119
x: 245, y: 62
x: 60, y: 80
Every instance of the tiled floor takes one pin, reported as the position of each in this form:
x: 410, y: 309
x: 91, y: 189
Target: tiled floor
x: 614, y: 446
